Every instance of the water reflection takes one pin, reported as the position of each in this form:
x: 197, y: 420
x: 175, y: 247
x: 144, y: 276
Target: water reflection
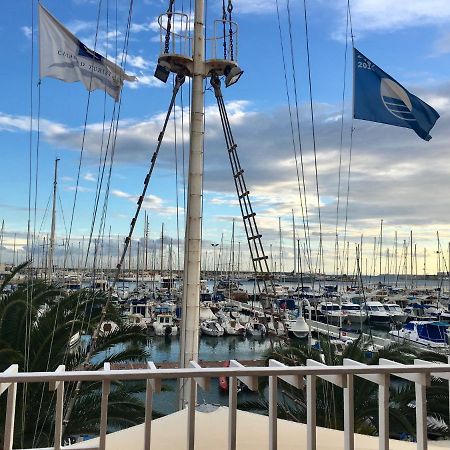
x: 210, y: 349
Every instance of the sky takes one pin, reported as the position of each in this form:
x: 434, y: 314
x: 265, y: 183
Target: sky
x: 394, y: 175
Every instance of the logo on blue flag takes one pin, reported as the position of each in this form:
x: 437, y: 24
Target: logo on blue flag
x: 379, y: 98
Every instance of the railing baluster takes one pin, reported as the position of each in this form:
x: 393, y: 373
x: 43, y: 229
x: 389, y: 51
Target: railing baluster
x: 8, y: 434
x: 273, y: 412
x: 383, y: 401
x: 311, y: 381
x: 10, y: 416
x: 421, y: 380
x: 148, y: 415
x: 191, y: 413
x: 58, y: 386
x: 152, y: 385
x: 383, y: 414
x: 293, y: 380
x: 349, y: 415
x: 106, y: 385
x: 232, y: 411
x: 421, y: 416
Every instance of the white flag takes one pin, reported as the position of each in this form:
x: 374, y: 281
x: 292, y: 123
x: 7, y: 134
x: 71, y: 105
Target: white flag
x: 63, y: 56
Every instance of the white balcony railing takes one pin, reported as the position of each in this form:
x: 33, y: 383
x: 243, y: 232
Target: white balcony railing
x: 299, y: 376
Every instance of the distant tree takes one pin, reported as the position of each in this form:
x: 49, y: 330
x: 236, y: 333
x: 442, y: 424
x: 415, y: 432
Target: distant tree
x: 37, y: 322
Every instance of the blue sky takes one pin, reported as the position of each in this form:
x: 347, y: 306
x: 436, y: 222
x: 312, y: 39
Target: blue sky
x: 395, y: 176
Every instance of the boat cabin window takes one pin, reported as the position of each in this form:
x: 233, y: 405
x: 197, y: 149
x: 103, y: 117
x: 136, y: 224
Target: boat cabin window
x: 374, y: 308
x: 350, y: 307
x: 330, y: 307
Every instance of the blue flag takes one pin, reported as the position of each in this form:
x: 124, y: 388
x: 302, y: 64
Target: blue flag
x: 379, y: 98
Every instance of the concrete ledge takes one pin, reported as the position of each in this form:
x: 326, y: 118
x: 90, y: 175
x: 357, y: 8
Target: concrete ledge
x: 170, y: 433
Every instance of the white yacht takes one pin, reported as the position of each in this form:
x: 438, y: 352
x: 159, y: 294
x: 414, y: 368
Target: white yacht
x: 397, y: 314
x: 255, y: 329
x: 354, y: 315
x: 211, y: 328
x: 421, y: 333
x: 164, y: 325
x: 232, y: 326
x: 376, y: 314
x: 331, y: 313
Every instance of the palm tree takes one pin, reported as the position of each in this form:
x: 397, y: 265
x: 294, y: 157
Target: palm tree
x: 36, y: 324
x: 330, y: 402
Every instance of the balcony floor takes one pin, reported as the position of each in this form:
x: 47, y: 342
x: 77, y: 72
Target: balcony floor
x: 169, y: 433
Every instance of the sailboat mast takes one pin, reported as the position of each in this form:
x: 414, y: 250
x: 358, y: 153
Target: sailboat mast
x: 53, y: 228
x: 1, y: 239
x: 294, y: 243
x: 381, y: 245
x: 189, y: 338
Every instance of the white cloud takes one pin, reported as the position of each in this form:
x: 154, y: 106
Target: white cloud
x: 395, y: 175
x: 388, y: 16
x: 151, y: 202
x: 442, y: 44
x: 391, y: 15
x: 89, y: 177
x: 80, y: 189
x: 26, y: 31
x: 139, y: 62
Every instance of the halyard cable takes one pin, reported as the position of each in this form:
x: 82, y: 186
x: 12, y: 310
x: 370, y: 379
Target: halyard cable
x: 84, y: 132
x: 79, y: 166
x: 304, y: 209
x: 320, y: 256
x: 28, y: 252
x: 111, y: 136
x: 352, y: 129
x: 179, y: 82
x: 340, y: 149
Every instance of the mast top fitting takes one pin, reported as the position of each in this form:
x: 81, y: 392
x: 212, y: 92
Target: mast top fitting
x: 176, y: 48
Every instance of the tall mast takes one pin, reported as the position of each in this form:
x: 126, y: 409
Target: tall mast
x: 381, y: 245
x: 294, y: 242
x: 1, y: 239
x: 53, y: 228
x: 162, y: 249
x: 146, y: 242
x: 189, y: 338
x: 281, y: 247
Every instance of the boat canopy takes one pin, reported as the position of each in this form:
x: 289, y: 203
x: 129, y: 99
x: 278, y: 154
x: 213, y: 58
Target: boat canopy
x: 433, y: 331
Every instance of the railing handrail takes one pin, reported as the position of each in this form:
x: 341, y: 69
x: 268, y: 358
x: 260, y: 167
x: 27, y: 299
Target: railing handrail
x: 298, y: 376
x: 214, y: 372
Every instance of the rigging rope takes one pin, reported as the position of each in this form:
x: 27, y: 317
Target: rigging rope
x: 352, y: 129
x: 29, y: 251
x: 303, y: 205
x: 337, y: 266
x: 175, y: 148
x: 179, y: 82
x: 257, y: 254
x: 320, y: 253
x: 84, y: 132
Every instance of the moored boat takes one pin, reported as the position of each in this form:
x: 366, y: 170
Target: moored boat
x: 211, y: 328
x: 422, y: 334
